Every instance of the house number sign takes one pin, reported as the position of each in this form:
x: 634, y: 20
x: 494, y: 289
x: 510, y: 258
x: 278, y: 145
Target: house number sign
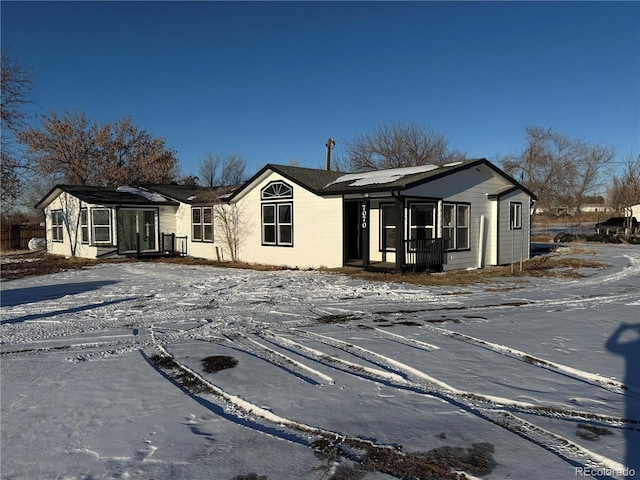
x: 363, y: 214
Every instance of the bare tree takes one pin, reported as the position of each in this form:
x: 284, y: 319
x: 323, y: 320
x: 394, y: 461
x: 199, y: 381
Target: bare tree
x: 16, y: 83
x: 624, y: 190
x: 561, y: 171
x: 82, y: 152
x: 396, y: 145
x: 217, y: 169
x: 208, y: 170
x: 232, y: 227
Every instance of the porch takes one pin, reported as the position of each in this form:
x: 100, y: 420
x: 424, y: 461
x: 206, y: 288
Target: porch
x: 419, y: 255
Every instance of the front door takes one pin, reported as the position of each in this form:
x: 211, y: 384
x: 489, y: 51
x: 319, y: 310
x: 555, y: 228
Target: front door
x: 137, y: 230
x: 356, y: 231
x: 352, y: 232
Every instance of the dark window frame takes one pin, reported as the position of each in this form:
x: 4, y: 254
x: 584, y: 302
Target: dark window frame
x: 274, y: 195
x: 202, y: 224
x: 276, y: 190
x: 456, y: 228
x: 382, y: 245
x: 515, y: 215
x: 276, y: 224
x: 101, y: 225
x: 84, y: 225
x: 433, y: 227
x: 57, y: 226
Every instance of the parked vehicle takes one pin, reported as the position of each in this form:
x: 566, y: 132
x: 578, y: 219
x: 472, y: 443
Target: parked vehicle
x: 618, y: 222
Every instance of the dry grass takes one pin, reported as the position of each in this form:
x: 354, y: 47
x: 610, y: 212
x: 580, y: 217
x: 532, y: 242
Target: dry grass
x: 28, y: 264
x: 542, y: 266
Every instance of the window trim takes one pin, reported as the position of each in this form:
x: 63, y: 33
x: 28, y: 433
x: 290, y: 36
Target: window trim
x: 277, y: 223
x: 515, y: 215
x: 57, y: 223
x: 281, y: 190
x: 382, y: 246
x: 100, y: 225
x: 84, y: 225
x: 202, y: 224
x: 456, y: 228
x: 433, y: 227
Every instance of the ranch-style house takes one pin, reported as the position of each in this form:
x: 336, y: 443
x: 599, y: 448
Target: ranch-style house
x: 442, y: 217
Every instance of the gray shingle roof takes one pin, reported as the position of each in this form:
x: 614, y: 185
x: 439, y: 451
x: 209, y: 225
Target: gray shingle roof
x: 323, y: 182
x: 104, y: 196
x: 192, y: 195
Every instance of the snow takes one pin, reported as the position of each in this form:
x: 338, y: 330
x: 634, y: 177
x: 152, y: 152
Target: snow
x: 527, y: 366
x: 381, y: 176
x: 151, y: 196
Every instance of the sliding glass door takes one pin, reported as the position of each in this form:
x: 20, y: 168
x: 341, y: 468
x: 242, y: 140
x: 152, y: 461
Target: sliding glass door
x: 137, y: 230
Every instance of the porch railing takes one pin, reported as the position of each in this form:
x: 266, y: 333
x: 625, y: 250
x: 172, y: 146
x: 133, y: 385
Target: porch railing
x: 172, y: 245
x: 424, y: 253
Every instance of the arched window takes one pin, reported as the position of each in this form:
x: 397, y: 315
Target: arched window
x: 276, y: 190
x: 277, y: 214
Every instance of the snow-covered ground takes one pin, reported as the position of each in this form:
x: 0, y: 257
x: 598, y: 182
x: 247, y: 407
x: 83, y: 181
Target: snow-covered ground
x: 102, y: 374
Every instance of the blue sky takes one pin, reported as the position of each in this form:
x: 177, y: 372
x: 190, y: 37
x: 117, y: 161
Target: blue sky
x: 274, y: 80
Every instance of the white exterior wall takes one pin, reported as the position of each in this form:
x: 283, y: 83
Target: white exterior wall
x: 71, y: 207
x: 183, y: 229
x: 167, y: 217
x: 317, y: 229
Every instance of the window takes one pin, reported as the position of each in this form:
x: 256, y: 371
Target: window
x: 57, y: 223
x: 455, y: 227
x: 202, y: 224
x: 101, y: 223
x: 462, y: 228
x: 387, y: 227
x: 515, y: 216
x: 276, y: 190
x: 449, y: 226
x: 277, y: 224
x: 84, y: 225
x: 422, y: 221
x: 277, y: 216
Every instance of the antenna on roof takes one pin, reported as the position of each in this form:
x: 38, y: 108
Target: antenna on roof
x: 330, y: 144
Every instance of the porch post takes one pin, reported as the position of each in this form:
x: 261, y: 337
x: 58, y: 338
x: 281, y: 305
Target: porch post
x: 365, y: 238
x: 399, y: 232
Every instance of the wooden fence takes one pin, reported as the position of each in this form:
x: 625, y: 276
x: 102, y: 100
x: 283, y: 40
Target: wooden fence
x: 16, y: 237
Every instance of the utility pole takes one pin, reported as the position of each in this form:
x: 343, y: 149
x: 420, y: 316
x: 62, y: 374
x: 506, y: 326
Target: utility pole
x: 330, y: 144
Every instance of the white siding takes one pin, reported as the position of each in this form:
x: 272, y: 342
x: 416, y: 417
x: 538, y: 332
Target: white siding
x: 71, y: 207
x: 317, y: 229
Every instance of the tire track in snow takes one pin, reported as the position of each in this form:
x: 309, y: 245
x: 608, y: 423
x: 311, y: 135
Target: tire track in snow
x: 590, y: 378
x: 250, y: 415
x: 497, y: 410
x: 248, y: 345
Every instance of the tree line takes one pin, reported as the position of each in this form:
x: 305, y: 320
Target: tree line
x: 73, y: 149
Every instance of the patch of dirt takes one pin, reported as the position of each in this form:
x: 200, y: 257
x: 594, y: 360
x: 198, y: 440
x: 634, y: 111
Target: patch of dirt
x: 186, y: 380
x: 24, y: 264
x: 439, y: 463
x: 592, y: 432
x: 13, y: 266
x: 250, y: 476
x: 338, y: 318
x: 215, y: 363
x: 444, y: 319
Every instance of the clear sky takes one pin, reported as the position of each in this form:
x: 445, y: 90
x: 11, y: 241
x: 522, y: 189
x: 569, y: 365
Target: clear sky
x: 274, y: 80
